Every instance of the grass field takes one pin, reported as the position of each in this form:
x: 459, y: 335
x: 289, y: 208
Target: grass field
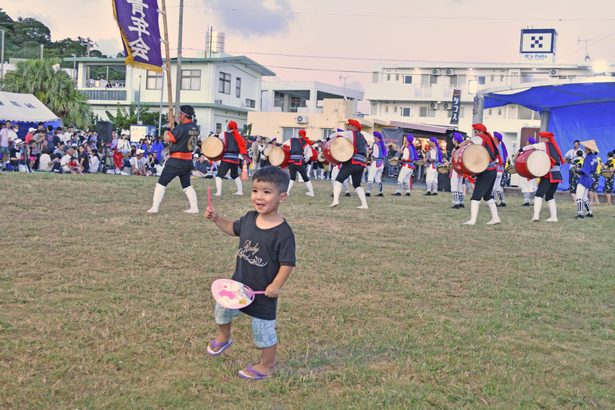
x: 399, y: 306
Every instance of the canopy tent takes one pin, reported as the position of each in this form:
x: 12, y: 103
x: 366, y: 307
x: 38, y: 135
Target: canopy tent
x: 577, y: 111
x: 26, y: 111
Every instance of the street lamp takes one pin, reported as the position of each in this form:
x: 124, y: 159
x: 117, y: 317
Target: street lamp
x: 2, y: 61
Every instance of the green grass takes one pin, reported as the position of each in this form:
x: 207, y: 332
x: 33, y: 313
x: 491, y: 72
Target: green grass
x: 105, y: 306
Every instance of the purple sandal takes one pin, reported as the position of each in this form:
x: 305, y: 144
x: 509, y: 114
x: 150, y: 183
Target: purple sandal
x: 220, y: 347
x: 250, y: 374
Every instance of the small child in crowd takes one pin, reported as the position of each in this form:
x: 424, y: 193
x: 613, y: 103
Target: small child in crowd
x: 265, y: 258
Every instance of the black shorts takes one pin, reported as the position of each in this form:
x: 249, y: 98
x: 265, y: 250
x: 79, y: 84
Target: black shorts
x: 608, y: 185
x: 224, y: 168
x: 293, y: 169
x: 355, y: 171
x: 174, y: 167
x: 546, y: 189
x: 484, y: 185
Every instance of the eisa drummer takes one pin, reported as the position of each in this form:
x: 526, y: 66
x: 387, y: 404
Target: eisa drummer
x: 234, y: 145
x: 353, y: 167
x: 486, y: 179
x: 548, y: 184
x: 300, y: 148
x: 179, y: 164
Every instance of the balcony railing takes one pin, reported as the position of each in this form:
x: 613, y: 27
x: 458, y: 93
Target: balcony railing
x: 108, y: 94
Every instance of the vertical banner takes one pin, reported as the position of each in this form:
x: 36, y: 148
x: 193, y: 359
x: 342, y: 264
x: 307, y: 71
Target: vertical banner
x: 456, y: 104
x: 138, y: 23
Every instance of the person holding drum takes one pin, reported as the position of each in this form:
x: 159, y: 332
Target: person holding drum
x: 408, y: 156
x: 234, y: 146
x: 300, y: 149
x: 457, y: 179
x: 548, y: 184
x: 483, y: 188
x: 379, y: 153
x: 433, y: 158
x: 354, y: 167
x: 179, y: 164
x: 498, y: 190
x: 586, y: 173
x: 528, y: 185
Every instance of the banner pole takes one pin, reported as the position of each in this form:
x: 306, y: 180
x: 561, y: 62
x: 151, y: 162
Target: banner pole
x: 167, y: 60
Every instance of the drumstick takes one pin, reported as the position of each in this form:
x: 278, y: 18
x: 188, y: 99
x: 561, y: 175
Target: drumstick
x: 209, y: 197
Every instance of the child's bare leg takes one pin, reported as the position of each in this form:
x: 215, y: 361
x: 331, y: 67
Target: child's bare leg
x: 223, y: 336
x: 267, y: 360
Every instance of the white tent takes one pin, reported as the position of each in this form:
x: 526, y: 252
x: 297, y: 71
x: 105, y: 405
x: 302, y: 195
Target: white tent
x: 24, y: 108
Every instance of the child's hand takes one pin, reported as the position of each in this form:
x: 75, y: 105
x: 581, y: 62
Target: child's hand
x: 272, y: 291
x: 210, y: 213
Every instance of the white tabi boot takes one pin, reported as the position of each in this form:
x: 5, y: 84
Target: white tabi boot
x: 473, y: 212
x: 495, y: 219
x: 158, y: 195
x: 537, y: 207
x: 218, y: 186
x: 290, y: 186
x: 337, y: 190
x: 192, y: 200
x: 552, y: 211
x: 239, y: 186
x: 361, y: 194
x: 310, y: 188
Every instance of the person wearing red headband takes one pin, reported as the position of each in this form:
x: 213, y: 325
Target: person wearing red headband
x: 300, y: 148
x: 548, y: 184
x: 483, y: 188
x: 354, y: 167
x: 234, y: 146
x: 181, y: 141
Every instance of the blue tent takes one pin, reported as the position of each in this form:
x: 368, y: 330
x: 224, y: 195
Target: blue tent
x: 578, y: 111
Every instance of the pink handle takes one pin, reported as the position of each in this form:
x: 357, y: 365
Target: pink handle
x: 259, y: 292
x: 209, y: 197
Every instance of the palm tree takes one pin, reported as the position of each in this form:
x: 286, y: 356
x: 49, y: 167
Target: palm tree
x: 53, y: 87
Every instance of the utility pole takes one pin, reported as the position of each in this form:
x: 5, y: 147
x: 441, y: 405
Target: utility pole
x: 178, y: 67
x: 139, y: 104
x: 2, y: 62
x: 42, y: 49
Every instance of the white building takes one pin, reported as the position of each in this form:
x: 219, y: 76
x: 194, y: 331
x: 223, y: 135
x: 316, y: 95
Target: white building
x: 422, y: 93
x: 302, y: 96
x: 221, y: 88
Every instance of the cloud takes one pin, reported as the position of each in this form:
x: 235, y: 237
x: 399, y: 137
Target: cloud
x: 253, y: 17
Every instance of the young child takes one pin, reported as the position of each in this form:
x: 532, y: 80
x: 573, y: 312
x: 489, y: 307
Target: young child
x: 265, y: 258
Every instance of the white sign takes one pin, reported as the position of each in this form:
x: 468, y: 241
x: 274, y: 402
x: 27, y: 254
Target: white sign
x: 538, y: 41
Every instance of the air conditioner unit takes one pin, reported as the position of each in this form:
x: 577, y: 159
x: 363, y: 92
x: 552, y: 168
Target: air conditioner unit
x: 433, y: 105
x: 302, y: 119
x: 449, y: 71
x: 447, y: 106
x: 553, y: 72
x: 219, y: 101
x: 435, y: 71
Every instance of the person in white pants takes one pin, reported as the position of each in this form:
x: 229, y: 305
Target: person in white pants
x: 433, y: 157
x: 457, y: 188
x: 234, y: 147
x: 406, y: 170
x: 379, y: 153
x: 300, y: 149
x: 354, y: 167
x: 527, y: 185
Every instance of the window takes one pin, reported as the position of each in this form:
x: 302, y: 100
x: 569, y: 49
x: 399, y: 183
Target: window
x: 250, y: 103
x: 153, y: 80
x: 481, y: 79
x: 375, y: 77
x: 492, y: 78
x: 396, y: 77
x: 288, y: 133
x: 386, y: 108
x: 433, y: 79
x: 500, y: 112
x: 326, y: 132
x: 191, y: 80
x: 238, y: 88
x: 427, y: 112
x: 224, y: 83
x: 502, y: 78
x: 388, y: 77
x: 405, y: 112
x: 453, y: 81
x: 218, y: 128
x: 407, y: 79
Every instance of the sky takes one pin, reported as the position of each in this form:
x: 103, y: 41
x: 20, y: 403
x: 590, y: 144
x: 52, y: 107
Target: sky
x: 344, y: 40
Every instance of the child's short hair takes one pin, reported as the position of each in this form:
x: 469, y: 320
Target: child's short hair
x: 273, y: 175
x: 579, y: 153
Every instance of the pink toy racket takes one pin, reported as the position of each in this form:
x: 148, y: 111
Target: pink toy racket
x: 232, y: 294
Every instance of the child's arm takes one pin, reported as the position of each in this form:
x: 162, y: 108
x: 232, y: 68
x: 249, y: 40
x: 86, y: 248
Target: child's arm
x: 273, y: 290
x: 224, y: 224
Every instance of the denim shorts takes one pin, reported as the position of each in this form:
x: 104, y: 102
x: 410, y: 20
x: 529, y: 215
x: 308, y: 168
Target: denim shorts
x: 263, y: 331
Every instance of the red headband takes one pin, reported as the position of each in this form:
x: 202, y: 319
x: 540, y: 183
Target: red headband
x: 479, y: 127
x: 232, y: 125
x: 355, y: 124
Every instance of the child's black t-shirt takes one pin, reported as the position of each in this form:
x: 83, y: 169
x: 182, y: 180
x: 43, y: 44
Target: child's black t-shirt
x: 259, y: 257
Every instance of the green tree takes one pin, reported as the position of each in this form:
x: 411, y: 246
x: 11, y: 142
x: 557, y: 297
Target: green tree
x: 124, y: 118
x: 53, y: 87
